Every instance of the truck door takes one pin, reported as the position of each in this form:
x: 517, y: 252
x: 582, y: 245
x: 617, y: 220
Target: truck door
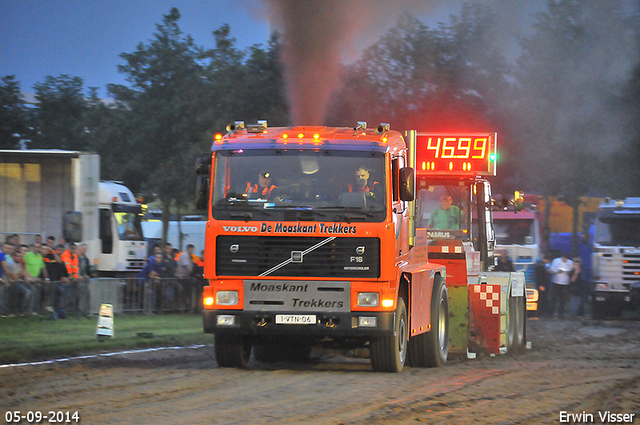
x: 486, y: 239
x: 106, y: 232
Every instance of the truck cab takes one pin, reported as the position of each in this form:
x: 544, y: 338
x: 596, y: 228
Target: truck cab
x: 122, y: 249
x: 310, y: 240
x: 616, y: 257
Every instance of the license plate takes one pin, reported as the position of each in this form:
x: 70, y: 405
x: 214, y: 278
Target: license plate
x: 295, y: 319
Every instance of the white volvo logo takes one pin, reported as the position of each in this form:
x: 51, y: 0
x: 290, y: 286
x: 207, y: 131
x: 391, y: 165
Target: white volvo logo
x: 242, y: 229
x: 234, y: 248
x: 360, y: 250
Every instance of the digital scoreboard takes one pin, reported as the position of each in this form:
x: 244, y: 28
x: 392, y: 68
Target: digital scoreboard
x: 456, y: 154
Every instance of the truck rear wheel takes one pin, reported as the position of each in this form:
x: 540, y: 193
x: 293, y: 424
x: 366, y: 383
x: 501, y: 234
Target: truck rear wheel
x: 389, y: 353
x: 232, y: 350
x: 516, y: 326
x: 430, y: 349
x: 438, y: 336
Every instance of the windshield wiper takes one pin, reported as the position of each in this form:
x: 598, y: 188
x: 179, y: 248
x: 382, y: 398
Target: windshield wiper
x: 350, y: 217
x: 300, y: 208
x: 244, y: 208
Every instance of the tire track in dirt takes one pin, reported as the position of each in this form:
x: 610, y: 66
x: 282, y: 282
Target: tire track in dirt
x: 568, y: 369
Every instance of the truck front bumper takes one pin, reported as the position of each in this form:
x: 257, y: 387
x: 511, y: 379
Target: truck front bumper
x: 333, y: 325
x: 618, y: 297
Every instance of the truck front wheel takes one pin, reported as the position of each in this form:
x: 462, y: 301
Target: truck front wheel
x: 232, y: 350
x: 430, y: 349
x: 388, y: 353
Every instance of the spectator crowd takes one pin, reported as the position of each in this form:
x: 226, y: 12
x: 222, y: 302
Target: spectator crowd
x: 53, y: 278
x: 43, y: 277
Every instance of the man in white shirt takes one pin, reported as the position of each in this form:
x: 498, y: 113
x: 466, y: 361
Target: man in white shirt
x: 561, y: 277
x: 185, y: 272
x: 185, y: 262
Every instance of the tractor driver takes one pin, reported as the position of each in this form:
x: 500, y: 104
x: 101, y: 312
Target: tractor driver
x: 446, y: 216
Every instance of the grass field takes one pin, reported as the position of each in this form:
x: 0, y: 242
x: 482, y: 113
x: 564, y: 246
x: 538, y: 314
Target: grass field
x: 35, y: 338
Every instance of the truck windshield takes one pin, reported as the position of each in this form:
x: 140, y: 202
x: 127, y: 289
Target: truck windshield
x: 444, y: 211
x: 620, y: 231
x: 514, y: 231
x: 129, y: 227
x: 299, y: 184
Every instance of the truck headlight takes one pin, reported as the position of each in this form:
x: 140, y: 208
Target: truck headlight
x: 368, y: 299
x: 227, y: 297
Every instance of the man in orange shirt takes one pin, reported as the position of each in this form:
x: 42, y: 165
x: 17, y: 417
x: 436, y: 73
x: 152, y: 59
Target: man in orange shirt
x: 70, y: 260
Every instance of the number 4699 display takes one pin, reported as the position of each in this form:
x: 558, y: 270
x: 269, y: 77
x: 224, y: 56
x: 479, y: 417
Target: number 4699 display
x: 456, y: 153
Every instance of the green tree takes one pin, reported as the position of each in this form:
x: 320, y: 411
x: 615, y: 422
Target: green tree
x: 165, y: 116
x: 264, y: 92
x: 58, y: 121
x: 13, y: 116
x: 570, y: 74
x: 109, y: 134
x: 441, y: 79
x: 570, y: 119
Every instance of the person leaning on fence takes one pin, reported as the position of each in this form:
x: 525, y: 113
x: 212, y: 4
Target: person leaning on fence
x: 168, y: 261
x: 149, y: 276
x: 173, y: 289
x: 5, y: 282
x: 36, y: 272
x: 155, y: 250
x: 70, y: 260
x: 15, y: 302
x: 84, y: 274
x: 13, y: 239
x: 23, y: 284
x: 185, y: 270
x: 58, y: 275
x: 154, y: 268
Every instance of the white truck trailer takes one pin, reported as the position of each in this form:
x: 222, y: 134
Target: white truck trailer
x: 616, y: 256
x: 59, y: 193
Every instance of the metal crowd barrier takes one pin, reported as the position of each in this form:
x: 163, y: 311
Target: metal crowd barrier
x: 41, y: 297
x: 84, y: 297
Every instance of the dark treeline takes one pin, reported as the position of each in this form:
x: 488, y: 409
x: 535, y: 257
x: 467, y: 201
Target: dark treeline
x: 567, y: 108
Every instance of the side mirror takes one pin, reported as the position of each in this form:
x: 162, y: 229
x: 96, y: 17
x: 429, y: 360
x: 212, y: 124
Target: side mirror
x: 72, y: 226
x: 202, y: 192
x: 407, y: 184
x: 203, y: 171
x: 203, y: 164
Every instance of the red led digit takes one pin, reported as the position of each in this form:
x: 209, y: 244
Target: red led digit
x: 466, y: 148
x: 447, y: 149
x: 436, y: 147
x: 482, y: 149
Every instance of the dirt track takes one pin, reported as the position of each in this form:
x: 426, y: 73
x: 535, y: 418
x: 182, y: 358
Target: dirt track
x: 574, y: 366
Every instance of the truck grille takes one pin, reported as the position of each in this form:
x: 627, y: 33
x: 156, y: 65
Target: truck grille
x: 630, y: 268
x: 297, y: 256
